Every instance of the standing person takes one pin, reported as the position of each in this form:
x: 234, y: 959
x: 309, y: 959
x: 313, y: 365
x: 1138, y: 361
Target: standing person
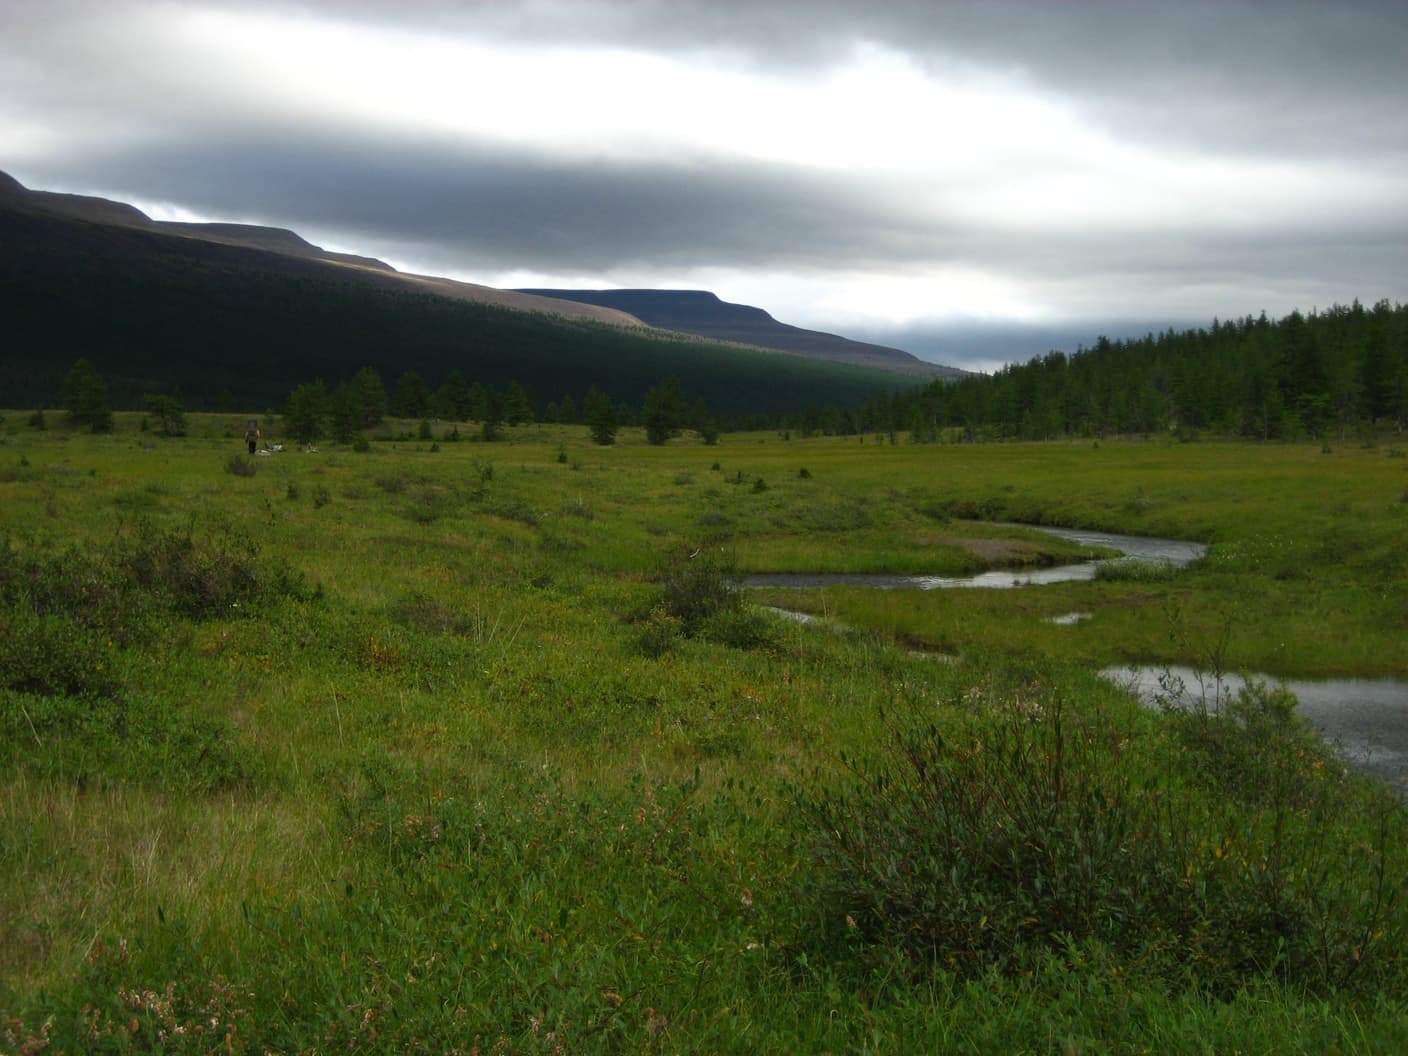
x: 251, y: 435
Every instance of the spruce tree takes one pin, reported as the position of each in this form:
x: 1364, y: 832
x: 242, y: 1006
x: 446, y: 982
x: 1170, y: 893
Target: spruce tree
x: 86, y: 398
x: 663, y: 411
x: 601, y: 417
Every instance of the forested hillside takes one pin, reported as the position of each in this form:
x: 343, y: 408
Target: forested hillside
x: 1332, y: 371
x: 237, y: 327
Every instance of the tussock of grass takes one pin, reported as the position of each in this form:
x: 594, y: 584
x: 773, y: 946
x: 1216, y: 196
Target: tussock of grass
x: 1135, y: 570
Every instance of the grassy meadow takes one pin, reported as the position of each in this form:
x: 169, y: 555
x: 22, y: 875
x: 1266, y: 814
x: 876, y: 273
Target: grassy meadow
x: 445, y: 746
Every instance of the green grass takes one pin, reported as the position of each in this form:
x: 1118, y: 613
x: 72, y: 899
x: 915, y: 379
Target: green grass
x: 424, y: 750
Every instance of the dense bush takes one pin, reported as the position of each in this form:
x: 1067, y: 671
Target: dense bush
x: 1004, y: 842
x: 144, y: 573
x: 239, y: 466
x: 52, y: 654
x: 203, y: 578
x: 91, y: 737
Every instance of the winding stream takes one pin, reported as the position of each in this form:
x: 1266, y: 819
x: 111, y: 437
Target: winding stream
x: 1173, y: 551
x: 1365, y: 719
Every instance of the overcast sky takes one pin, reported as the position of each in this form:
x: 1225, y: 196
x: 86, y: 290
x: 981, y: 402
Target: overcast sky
x: 974, y: 182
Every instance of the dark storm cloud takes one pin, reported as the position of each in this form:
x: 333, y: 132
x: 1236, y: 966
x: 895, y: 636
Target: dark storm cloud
x: 491, y: 209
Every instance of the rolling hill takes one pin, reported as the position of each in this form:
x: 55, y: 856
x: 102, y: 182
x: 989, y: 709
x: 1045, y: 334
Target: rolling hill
x: 703, y: 314
x: 237, y: 316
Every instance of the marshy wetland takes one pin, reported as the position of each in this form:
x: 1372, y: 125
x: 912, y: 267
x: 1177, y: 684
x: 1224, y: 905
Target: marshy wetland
x: 452, y: 746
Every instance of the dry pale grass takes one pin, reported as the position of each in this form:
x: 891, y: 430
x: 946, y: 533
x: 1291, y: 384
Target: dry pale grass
x: 77, y: 864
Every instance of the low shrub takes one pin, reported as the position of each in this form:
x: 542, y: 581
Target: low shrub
x: 430, y: 504
x: 427, y: 614
x: 514, y: 510
x: 975, y: 850
x: 146, y: 572
x: 740, y: 628
x: 1028, y: 833
x: 699, y: 585
x: 578, y: 508
x: 52, y: 654
x: 86, y: 737
x: 203, y: 578
x: 844, y: 516
x: 659, y: 631
x: 240, y: 466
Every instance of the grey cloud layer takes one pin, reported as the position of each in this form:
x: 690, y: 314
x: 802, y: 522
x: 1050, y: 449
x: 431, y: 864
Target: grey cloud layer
x: 1259, y: 75
x: 494, y: 209
x: 1280, y: 82
x: 490, y: 210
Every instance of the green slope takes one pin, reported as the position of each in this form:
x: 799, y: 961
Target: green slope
x: 239, y: 327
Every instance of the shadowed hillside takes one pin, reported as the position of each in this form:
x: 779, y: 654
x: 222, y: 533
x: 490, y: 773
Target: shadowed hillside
x: 238, y: 316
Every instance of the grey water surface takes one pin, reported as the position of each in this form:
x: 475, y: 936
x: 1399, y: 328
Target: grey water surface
x: 1174, y: 551
x: 1365, y: 719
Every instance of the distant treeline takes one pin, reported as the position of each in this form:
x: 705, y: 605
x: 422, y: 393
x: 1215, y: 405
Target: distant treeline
x: 1302, y: 376
x: 312, y: 411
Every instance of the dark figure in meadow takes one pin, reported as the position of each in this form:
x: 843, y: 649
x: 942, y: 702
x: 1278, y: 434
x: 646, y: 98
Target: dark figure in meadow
x: 251, y: 435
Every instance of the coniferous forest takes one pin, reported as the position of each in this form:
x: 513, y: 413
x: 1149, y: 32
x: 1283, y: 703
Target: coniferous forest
x: 1327, y: 373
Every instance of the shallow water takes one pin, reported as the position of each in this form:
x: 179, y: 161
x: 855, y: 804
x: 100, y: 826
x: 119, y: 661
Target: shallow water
x: 1365, y: 719
x: 1174, y: 551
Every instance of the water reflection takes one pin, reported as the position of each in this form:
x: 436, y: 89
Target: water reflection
x: 1173, y: 551
x: 1366, y: 719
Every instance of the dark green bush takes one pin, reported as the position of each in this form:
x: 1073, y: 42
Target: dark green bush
x: 699, y: 585
x: 204, y: 578
x: 842, y: 516
x: 1015, y: 839
x: 514, y: 510
x: 71, y: 583
x: 740, y: 628
x: 1136, y: 570
x: 240, y: 466
x: 145, y: 573
x: 52, y: 654
x: 974, y: 850
x: 578, y: 508
x: 90, y: 737
x: 658, y: 633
